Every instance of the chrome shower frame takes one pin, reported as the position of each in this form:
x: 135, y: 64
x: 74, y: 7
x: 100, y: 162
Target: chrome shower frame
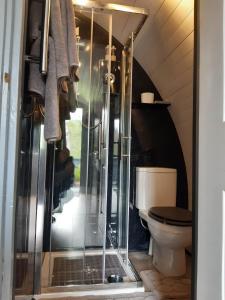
x: 14, y: 33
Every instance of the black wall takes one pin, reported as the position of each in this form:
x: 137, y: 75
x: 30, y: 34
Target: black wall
x: 154, y: 143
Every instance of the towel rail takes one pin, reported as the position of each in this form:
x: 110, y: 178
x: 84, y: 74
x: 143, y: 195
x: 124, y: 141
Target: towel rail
x: 45, y: 36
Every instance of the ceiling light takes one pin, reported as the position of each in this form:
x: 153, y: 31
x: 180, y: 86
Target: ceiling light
x: 80, y: 2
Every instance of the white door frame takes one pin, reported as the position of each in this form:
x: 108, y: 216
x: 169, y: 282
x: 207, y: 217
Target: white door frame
x: 211, y: 151
x: 12, y: 14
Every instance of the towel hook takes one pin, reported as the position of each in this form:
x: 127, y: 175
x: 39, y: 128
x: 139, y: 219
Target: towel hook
x: 36, y: 107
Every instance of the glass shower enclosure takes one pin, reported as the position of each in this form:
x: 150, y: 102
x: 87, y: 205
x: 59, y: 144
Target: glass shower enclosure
x: 73, y: 214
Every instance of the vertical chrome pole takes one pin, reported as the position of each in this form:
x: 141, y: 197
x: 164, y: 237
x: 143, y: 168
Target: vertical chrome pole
x: 45, y: 35
x: 33, y: 190
x: 41, y: 198
x: 122, y: 132
x: 88, y: 131
x: 125, y: 128
x: 129, y: 107
x: 107, y: 146
x: 52, y: 206
x: 33, y: 202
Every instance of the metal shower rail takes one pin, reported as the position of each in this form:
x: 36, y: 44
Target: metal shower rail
x: 43, y: 59
x: 100, y: 5
x: 45, y: 35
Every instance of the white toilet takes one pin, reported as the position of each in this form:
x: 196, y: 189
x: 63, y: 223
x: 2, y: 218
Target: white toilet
x: 169, y: 226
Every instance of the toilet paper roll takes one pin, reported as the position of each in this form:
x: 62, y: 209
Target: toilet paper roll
x: 147, y: 97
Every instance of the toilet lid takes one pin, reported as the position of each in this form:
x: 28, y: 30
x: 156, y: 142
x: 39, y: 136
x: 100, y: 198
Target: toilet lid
x: 171, y: 215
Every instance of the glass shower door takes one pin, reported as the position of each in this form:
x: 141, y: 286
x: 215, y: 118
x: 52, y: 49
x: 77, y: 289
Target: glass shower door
x: 78, y: 229
x: 78, y: 245
x: 65, y: 257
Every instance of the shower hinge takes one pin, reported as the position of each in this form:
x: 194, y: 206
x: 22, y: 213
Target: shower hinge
x: 32, y: 59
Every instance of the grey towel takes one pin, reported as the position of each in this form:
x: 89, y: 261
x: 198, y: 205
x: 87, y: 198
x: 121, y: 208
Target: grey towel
x: 63, y: 31
x: 62, y: 64
x: 47, y: 91
x: 64, y: 18
x: 71, y: 40
x: 35, y: 19
x: 69, y: 29
x: 72, y: 97
x: 52, y: 130
x: 36, y: 84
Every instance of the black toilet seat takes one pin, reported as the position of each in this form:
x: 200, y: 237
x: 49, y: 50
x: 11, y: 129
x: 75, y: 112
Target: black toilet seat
x: 171, y: 215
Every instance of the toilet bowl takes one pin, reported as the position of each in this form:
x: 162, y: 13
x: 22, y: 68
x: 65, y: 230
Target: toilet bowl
x: 168, y: 243
x: 169, y: 226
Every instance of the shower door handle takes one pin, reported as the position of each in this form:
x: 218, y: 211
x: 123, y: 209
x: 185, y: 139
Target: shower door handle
x: 100, y: 142
x: 125, y: 143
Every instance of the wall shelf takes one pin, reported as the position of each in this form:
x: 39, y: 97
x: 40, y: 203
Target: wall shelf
x: 154, y: 104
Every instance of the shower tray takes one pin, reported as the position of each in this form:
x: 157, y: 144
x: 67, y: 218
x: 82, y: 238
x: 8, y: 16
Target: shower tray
x: 72, y: 275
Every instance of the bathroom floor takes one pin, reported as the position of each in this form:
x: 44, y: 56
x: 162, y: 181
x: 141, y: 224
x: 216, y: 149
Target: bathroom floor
x: 157, y: 286
x: 161, y: 286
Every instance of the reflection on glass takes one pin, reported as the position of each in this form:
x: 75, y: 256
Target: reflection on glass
x: 67, y: 203
x: 26, y: 207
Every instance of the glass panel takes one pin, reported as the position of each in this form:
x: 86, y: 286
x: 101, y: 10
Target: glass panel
x: 74, y: 254
x: 64, y: 240
x: 97, y: 185
x: 26, y: 207
x: 64, y: 252
x: 114, y: 162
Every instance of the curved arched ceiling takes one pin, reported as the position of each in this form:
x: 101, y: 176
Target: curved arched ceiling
x: 164, y: 48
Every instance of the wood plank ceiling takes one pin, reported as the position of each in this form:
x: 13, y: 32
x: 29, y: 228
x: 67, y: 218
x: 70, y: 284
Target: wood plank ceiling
x: 164, y: 48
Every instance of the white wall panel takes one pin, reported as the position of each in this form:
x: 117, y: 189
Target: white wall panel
x: 165, y: 12
x: 131, y: 25
x: 179, y: 14
x: 165, y: 50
